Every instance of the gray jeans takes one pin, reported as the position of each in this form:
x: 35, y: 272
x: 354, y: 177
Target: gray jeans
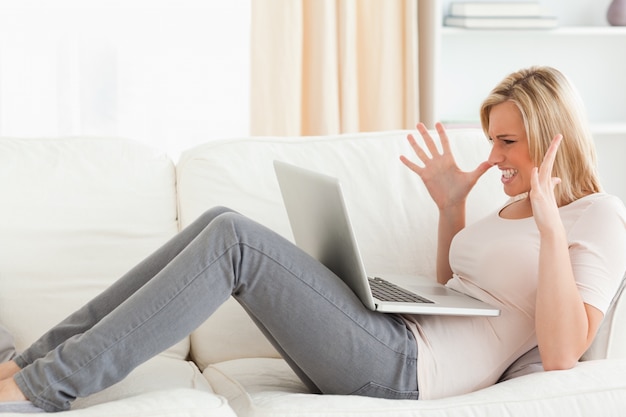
x: 333, y: 343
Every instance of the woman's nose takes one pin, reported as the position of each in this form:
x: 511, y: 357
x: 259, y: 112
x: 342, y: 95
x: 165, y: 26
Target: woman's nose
x: 495, y: 156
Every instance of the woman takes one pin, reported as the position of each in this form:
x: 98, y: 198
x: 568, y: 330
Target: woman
x: 546, y: 259
x: 543, y: 256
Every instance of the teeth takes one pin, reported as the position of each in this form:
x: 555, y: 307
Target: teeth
x: 508, y: 173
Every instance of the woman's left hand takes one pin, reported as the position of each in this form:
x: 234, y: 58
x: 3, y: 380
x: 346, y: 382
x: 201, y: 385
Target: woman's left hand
x: 542, y: 183
x: 565, y: 325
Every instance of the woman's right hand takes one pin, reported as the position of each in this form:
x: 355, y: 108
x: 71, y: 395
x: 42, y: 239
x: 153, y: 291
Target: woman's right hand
x: 446, y: 183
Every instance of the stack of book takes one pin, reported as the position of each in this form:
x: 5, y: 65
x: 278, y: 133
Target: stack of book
x: 499, y: 15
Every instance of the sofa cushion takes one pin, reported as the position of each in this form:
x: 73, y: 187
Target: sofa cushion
x: 528, y: 363
x: 76, y: 214
x: 610, y: 341
x: 179, y: 402
x: 391, y: 211
x: 161, y: 373
x: 267, y: 387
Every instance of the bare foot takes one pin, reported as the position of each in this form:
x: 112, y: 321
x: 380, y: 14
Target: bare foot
x: 9, y: 391
x: 8, y: 369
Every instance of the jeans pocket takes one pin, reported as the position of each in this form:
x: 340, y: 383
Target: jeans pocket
x: 372, y: 389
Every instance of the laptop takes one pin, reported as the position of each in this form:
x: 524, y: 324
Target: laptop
x: 321, y: 227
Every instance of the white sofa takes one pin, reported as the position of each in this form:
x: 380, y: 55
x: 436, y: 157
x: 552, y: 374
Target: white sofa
x: 76, y: 213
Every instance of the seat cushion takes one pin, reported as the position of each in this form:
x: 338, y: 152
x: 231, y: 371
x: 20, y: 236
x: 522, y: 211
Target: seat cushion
x: 161, y: 373
x: 267, y: 387
x: 179, y: 402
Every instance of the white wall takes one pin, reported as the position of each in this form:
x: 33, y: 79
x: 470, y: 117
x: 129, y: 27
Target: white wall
x: 473, y: 62
x: 170, y: 73
x: 611, y: 152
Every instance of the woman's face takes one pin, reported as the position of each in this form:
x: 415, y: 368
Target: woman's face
x: 510, y: 148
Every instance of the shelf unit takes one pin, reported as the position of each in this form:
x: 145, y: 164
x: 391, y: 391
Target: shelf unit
x: 471, y: 61
x: 559, y: 31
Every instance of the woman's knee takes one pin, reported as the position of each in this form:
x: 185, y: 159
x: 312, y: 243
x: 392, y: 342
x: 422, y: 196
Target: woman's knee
x: 218, y: 211
x: 209, y: 215
x: 229, y: 219
x: 230, y: 222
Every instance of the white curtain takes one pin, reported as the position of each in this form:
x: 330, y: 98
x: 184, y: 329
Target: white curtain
x: 331, y: 66
x: 172, y: 73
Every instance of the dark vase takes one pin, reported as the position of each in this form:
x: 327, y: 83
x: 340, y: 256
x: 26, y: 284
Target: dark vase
x: 616, y: 13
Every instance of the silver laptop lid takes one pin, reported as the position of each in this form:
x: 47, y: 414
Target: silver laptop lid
x: 321, y: 226
x: 313, y: 201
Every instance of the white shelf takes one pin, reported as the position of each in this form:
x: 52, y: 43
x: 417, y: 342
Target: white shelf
x: 568, y: 12
x: 609, y: 129
x: 559, y: 31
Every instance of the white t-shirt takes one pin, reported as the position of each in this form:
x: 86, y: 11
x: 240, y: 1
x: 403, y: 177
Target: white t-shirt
x: 496, y: 260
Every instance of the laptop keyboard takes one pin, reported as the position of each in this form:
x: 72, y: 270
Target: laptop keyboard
x: 386, y: 291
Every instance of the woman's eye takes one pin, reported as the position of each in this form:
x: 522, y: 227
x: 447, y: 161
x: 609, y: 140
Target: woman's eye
x: 508, y: 142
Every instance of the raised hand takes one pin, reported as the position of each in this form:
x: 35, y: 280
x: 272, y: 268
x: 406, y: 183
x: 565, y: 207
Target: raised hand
x: 542, y: 183
x: 447, y: 184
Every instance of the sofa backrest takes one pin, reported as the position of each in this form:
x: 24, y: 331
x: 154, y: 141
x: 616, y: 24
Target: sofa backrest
x: 76, y: 214
x: 394, y: 218
x: 610, y: 341
x: 79, y: 212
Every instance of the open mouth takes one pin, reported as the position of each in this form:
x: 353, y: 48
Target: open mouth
x: 508, y: 174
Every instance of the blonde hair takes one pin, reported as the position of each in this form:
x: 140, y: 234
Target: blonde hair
x: 550, y: 105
